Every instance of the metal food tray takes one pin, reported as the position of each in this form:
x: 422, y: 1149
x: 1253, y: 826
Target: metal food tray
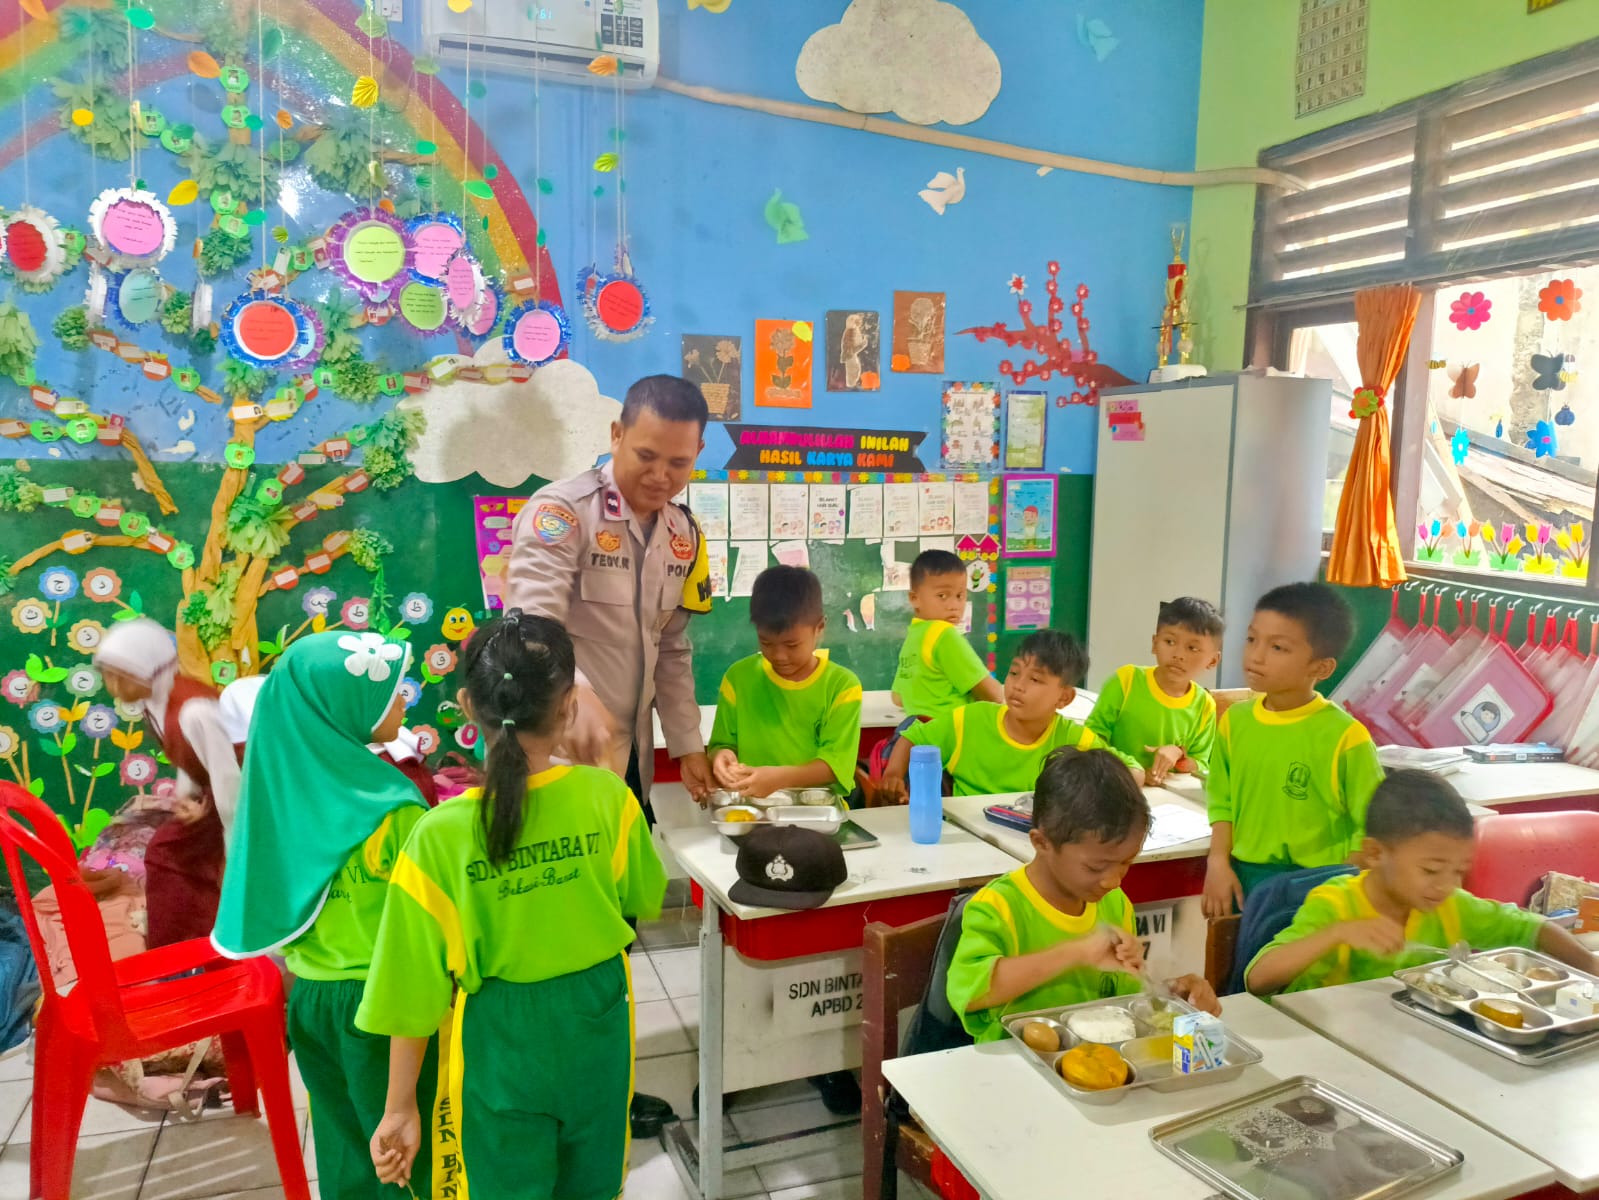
x: 1147, y: 1066
x: 1534, y: 997
x: 1552, y: 1050
x: 811, y: 816
x: 1304, y: 1137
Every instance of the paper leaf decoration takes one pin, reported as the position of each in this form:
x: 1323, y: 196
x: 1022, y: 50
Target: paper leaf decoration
x: 607, y: 161
x: 1096, y: 35
x: 710, y: 6
x: 365, y: 92
x: 784, y: 218
x: 141, y: 18
x: 604, y: 65
x: 476, y: 187
x: 35, y: 9
x: 183, y: 193
x: 82, y: 116
x: 203, y: 65
x: 459, y: 6
x: 284, y: 120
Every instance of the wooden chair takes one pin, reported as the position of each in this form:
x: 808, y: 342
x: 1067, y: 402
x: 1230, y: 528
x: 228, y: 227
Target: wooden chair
x: 897, y: 963
x: 1221, y: 948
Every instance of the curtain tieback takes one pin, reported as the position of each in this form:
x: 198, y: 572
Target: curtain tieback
x: 1366, y: 402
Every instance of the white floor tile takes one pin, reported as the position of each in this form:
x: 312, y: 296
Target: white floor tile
x: 271, y: 1193
x: 679, y: 971
x: 646, y: 983
x: 777, y: 1120
x: 14, y: 1097
x: 672, y: 1077
x: 99, y: 1117
x: 652, y: 1176
x: 211, y: 1157
x: 108, y: 1167
x: 688, y: 1011
x: 658, y: 1030
x: 772, y: 1093
x: 834, y: 1189
x: 15, y: 1064
x: 838, y: 1162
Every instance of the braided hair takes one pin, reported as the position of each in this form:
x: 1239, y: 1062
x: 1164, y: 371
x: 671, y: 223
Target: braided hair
x: 519, y: 669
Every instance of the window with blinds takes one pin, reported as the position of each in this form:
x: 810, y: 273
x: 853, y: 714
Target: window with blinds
x: 1494, y: 175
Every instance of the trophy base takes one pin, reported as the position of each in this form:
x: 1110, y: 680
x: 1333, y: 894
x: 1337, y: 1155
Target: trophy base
x: 1176, y: 371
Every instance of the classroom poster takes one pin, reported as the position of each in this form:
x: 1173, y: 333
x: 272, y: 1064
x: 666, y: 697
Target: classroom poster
x: 790, y: 510
x: 901, y: 510
x: 971, y: 425
x: 747, y: 518
x: 492, y: 517
x: 749, y: 560
x: 716, y: 363
x: 866, y: 510
x: 971, y: 508
x: 853, y: 345
x: 827, y: 511
x: 716, y: 563
x: 936, y: 511
x: 918, y: 346
x: 1024, y: 430
x: 783, y: 364
x: 1027, y: 597
x: 708, y: 503
x: 897, y: 556
x: 1029, y: 516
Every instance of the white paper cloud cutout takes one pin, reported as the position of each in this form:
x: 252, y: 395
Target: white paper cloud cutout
x: 555, y: 425
x: 919, y: 59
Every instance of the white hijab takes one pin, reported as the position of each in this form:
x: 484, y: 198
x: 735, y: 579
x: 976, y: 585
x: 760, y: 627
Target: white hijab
x: 140, y: 649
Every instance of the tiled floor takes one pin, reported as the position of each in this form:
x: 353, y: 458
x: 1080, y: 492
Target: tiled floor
x: 124, y: 1156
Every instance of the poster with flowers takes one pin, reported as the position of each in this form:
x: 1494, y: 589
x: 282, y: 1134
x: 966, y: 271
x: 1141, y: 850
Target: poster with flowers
x: 783, y: 364
x: 716, y: 363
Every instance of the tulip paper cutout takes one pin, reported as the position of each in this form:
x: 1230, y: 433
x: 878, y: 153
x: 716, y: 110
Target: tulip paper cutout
x: 944, y: 189
x: 784, y: 218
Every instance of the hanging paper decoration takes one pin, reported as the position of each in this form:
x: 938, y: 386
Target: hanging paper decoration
x: 35, y: 246
x: 369, y: 250
x: 1546, y: 369
x: 435, y: 238
x: 480, y: 319
x: 1560, y: 299
x: 133, y: 225
x: 422, y: 307
x: 365, y: 92
x: 1460, y: 446
x: 135, y: 298
x: 463, y: 281
x: 536, y: 333
x: 266, y: 330
x: 1565, y: 416
x: 1464, y: 378
x: 1541, y: 440
x: 615, y: 305
x: 1470, y: 310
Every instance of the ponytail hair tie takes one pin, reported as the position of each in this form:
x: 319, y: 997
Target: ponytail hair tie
x: 509, y: 677
x: 508, y: 722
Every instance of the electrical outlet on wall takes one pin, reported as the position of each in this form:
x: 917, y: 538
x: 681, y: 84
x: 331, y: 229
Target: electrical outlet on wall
x: 391, y: 10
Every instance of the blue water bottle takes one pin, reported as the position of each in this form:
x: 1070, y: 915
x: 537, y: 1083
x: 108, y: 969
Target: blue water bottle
x: 926, y: 780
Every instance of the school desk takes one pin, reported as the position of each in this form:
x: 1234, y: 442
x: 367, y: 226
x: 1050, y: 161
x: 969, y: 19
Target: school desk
x: 780, y: 991
x: 1547, y: 1111
x: 1528, y: 787
x: 1017, y: 1137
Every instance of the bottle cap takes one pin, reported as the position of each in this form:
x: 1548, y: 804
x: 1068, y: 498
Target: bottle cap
x: 924, y: 754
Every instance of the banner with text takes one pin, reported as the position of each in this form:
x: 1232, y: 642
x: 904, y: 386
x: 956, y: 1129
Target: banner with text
x: 784, y: 448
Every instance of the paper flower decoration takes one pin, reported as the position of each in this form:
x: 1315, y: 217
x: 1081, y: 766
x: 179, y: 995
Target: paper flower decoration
x: 356, y: 613
x: 58, y: 583
x: 536, y: 333
x: 129, y: 712
x: 86, y: 636
x: 427, y: 739
x: 83, y: 681
x: 1541, y: 440
x: 1018, y: 285
x: 466, y: 737
x: 35, y: 246
x: 133, y: 225
x: 98, y: 722
x: 315, y: 602
x: 10, y: 743
x: 604, y: 65
x: 137, y: 770
x: 31, y: 616
x: 1365, y: 403
x: 1560, y: 299
x: 415, y: 608
x: 1460, y: 446
x: 46, y: 717
x: 439, y: 659
x: 370, y: 654
x: 365, y: 92
x: 102, y: 585
x: 615, y: 305
x: 411, y: 690
x: 1470, y: 310
x: 18, y: 688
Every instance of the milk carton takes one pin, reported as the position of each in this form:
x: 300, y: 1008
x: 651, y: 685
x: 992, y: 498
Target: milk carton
x: 1199, y: 1043
x: 1576, y: 1000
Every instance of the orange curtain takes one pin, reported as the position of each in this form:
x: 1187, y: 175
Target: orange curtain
x: 1365, y: 545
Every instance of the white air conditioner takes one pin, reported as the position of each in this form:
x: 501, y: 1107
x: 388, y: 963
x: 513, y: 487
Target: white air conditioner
x: 558, y: 37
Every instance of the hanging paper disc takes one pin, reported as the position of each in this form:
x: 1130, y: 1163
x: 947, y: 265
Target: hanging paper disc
x: 422, y: 306
x: 462, y: 279
x: 481, y: 319
x: 265, y: 329
x: 25, y: 246
x: 374, y: 253
x: 139, y: 297
x: 132, y: 227
x: 435, y: 240
x: 620, y: 305
x: 536, y: 333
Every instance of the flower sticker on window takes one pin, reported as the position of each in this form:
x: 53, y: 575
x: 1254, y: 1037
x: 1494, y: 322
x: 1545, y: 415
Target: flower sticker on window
x: 1470, y: 310
x: 102, y: 585
x: 1460, y: 446
x: 31, y: 616
x: 10, y: 743
x: 58, y: 584
x: 415, y: 608
x: 1560, y: 300
x: 357, y: 612
x: 1541, y: 440
x: 411, y: 691
x: 370, y: 655
x: 83, y: 681
x: 98, y: 722
x: 138, y: 770
x: 440, y: 659
x: 19, y: 689
x: 86, y: 636
x: 46, y: 717
x: 427, y: 739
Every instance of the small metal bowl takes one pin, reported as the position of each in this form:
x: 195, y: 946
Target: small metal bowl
x: 738, y: 828
x: 819, y: 797
x: 722, y: 798
x: 1094, y: 1095
x: 1063, y: 1039
x: 1536, y: 1024
x: 823, y: 820
x: 1412, y: 980
x: 1525, y: 964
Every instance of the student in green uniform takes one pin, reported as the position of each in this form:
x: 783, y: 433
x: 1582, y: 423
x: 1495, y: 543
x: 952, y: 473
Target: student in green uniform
x: 1059, y: 931
x: 1159, y: 715
x: 518, y: 895
x: 991, y: 748
x: 1291, y: 773
x: 1418, y: 848
x: 938, y: 669
x: 320, y: 824
x: 786, y: 717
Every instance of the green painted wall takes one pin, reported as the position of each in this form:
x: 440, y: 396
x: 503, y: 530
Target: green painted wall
x: 1246, y: 103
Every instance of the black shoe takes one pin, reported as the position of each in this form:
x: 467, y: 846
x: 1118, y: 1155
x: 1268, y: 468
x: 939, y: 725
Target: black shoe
x: 841, y: 1094
x: 648, y: 1114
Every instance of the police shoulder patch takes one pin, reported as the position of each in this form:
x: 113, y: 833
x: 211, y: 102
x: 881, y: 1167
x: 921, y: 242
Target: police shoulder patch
x: 553, y: 523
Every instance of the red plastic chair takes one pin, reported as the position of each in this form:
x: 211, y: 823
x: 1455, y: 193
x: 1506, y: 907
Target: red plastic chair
x: 1516, y: 850
x: 133, y: 1009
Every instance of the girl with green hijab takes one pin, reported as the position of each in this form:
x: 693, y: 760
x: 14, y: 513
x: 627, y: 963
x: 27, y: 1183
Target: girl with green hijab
x: 320, y: 823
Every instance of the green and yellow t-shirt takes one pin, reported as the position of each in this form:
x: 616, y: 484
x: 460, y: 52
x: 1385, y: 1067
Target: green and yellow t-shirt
x: 1485, y: 924
x: 583, y: 863
x: 983, y: 759
x: 769, y: 721
x: 937, y: 669
x: 339, y: 943
x: 1294, y: 784
x: 1132, y: 712
x: 1009, y: 918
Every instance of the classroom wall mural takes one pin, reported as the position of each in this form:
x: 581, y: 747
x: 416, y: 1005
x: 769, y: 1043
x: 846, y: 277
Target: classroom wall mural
x: 283, y: 292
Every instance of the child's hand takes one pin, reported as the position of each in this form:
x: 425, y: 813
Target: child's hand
x: 187, y: 811
x: 891, y: 789
x: 1222, y: 890
x: 725, y: 766
x: 1106, y: 949
x: 1197, y: 992
x: 759, y: 782
x: 394, y: 1146
x: 1375, y: 935
x: 1166, y: 760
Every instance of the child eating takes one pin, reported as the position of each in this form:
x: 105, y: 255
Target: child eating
x: 1291, y: 773
x: 938, y: 669
x: 786, y: 717
x: 1418, y: 848
x: 1158, y: 715
x: 996, y: 748
x: 1059, y: 931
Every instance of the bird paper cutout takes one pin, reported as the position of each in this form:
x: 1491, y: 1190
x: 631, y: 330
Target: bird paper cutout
x: 784, y: 218
x: 944, y: 189
x: 1464, y: 378
x: 1546, y: 372
x: 1096, y: 35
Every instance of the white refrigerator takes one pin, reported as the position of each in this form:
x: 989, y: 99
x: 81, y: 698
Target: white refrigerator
x: 1209, y: 487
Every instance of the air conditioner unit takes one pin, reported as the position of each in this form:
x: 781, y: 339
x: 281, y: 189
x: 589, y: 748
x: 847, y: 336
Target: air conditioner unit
x: 558, y: 37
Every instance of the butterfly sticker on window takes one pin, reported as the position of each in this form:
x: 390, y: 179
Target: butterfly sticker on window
x: 1546, y: 369
x: 1464, y: 378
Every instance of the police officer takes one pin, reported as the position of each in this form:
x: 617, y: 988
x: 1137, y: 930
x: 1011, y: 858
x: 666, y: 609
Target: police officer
x: 610, y: 556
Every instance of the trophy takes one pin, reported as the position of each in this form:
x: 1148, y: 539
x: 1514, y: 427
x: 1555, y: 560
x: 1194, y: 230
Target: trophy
x: 1174, y: 319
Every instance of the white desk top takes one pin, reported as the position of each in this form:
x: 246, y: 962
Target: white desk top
x: 1520, y: 783
x: 895, y: 867
x: 967, y: 812
x: 1017, y: 1137
x: 878, y: 711
x: 1544, y: 1110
